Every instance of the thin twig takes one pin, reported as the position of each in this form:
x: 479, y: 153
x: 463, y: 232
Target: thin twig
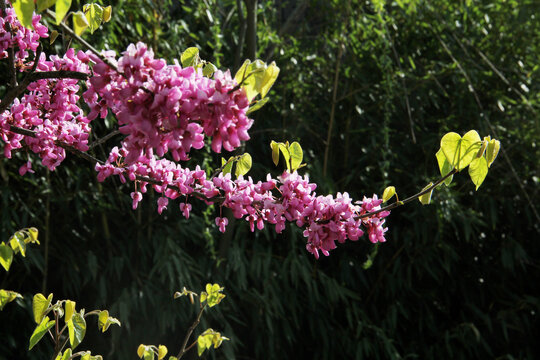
x: 409, y: 199
x: 333, y: 109
x: 183, y: 350
x: 104, y: 139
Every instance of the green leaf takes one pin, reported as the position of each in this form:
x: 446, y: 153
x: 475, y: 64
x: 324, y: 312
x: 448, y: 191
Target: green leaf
x: 162, y: 351
x: 208, y: 338
x: 6, y: 256
x: 275, y: 152
x: 258, y: 104
x: 227, y: 169
x: 285, y: 151
x: 189, y: 57
x: 472, y: 143
x: 242, y: 72
x: 460, y: 151
x: 254, y: 79
x: 107, y: 13
x: 7, y: 296
x: 209, y: 69
x: 33, y: 234
x: 149, y: 354
x: 80, y: 23
x: 24, y: 10
x: 214, y: 295
x: 492, y: 151
x: 444, y: 166
x: 426, y: 198
x: 269, y: 77
x: 204, y: 341
x: 69, y: 307
x: 40, y: 304
x: 295, y: 150
x: 40, y: 330
x: 478, y: 170
x: 243, y: 165
x: 77, y: 329
x: 17, y: 243
x: 388, y: 193
x: 251, y: 77
x: 102, y: 320
x: 86, y: 356
x: 44, y: 4
x: 94, y: 15
x: 61, y: 9
x: 67, y: 354
x: 140, y: 350
x: 145, y: 352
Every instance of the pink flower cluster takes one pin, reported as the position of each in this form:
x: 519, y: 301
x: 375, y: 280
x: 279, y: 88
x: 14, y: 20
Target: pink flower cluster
x: 14, y: 35
x: 166, y: 108
x: 289, y: 198
x: 49, y: 109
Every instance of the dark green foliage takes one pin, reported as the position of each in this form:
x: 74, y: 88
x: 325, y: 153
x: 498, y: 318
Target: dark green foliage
x: 456, y: 280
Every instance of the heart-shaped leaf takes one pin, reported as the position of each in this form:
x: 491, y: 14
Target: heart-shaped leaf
x: 478, y: 170
x: 77, y: 329
x: 6, y: 256
x: 40, y: 330
x: 444, y: 166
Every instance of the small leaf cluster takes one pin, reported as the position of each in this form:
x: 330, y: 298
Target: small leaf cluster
x: 17, y: 244
x: 7, y: 296
x: 292, y: 153
x: 74, y: 323
x: 256, y: 78
x: 92, y: 16
x: 148, y: 352
x: 190, y: 57
x: 208, y: 338
x: 243, y: 164
x: 459, y: 152
x: 213, y: 295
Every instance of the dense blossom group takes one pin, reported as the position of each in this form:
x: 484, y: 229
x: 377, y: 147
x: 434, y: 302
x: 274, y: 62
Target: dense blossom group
x: 50, y: 107
x: 164, y: 109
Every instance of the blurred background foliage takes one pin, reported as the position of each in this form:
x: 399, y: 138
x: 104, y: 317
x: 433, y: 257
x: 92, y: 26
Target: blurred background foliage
x: 368, y: 88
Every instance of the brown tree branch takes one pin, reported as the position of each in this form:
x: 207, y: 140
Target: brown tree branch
x: 183, y: 350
